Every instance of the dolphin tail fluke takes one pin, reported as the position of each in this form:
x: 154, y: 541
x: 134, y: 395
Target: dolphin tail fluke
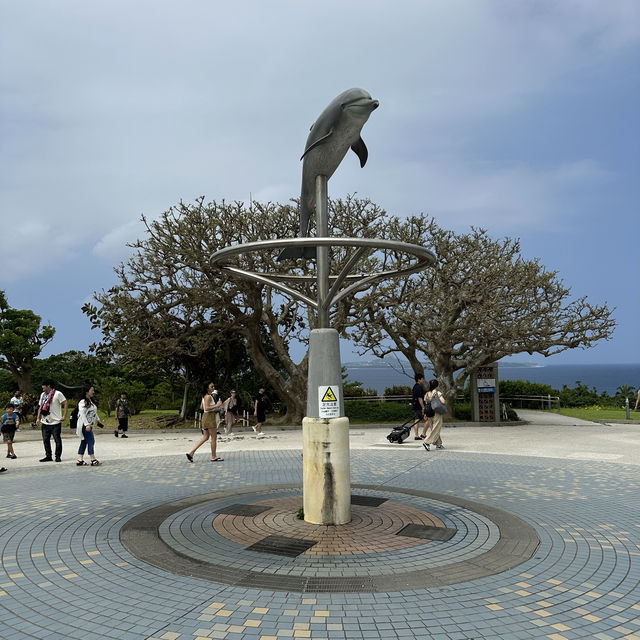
x: 297, y: 253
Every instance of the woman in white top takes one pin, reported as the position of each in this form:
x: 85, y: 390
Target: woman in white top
x: 87, y: 421
x: 436, y: 421
x: 209, y: 430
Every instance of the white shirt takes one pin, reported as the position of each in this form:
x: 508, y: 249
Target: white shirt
x: 55, y: 409
x: 86, y: 416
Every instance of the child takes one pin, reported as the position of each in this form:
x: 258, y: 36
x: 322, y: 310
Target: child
x: 10, y: 422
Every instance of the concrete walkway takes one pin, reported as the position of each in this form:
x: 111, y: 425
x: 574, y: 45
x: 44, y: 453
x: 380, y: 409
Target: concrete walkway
x: 73, y: 565
x: 546, y: 435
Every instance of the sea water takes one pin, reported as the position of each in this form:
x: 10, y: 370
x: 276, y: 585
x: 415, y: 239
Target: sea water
x: 604, y: 377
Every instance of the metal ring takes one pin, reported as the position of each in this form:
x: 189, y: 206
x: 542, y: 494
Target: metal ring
x: 360, y: 281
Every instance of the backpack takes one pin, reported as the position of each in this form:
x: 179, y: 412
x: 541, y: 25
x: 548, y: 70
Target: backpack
x: 428, y: 410
x: 73, y: 419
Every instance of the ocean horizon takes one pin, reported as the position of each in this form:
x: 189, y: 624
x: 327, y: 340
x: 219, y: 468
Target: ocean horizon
x: 604, y: 377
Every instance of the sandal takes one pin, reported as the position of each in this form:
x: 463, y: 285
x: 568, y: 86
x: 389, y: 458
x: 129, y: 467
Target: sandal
x: 95, y: 463
x: 217, y: 459
x: 81, y: 463
x: 189, y: 457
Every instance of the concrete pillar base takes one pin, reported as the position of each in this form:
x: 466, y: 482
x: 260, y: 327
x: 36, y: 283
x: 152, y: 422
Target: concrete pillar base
x: 326, y: 470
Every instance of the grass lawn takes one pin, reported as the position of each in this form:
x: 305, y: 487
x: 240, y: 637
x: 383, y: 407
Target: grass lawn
x: 594, y: 413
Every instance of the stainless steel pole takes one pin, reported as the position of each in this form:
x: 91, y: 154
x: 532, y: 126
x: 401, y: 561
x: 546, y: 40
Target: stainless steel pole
x: 322, y: 230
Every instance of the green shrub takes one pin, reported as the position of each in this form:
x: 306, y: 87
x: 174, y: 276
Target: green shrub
x: 353, y: 390
x: 581, y: 396
x: 362, y: 411
x: 5, y: 396
x: 7, y: 382
x: 397, y: 390
x: 462, y: 410
x: 525, y: 388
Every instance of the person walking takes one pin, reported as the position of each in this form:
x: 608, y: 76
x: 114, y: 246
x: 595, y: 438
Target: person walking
x: 17, y: 403
x: 122, y: 415
x: 260, y: 411
x: 208, y: 425
x: 218, y: 411
x: 417, y: 402
x: 231, y: 408
x: 85, y: 428
x: 10, y: 423
x: 52, y: 412
x: 436, y: 420
x: 637, y: 400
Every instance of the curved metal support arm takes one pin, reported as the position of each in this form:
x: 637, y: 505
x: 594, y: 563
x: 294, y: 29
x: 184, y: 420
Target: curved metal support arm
x: 353, y: 260
x: 250, y: 275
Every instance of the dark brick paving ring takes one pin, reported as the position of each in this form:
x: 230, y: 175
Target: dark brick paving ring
x: 398, y: 539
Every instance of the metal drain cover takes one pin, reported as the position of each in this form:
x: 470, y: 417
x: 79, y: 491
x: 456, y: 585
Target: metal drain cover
x: 367, y: 501
x: 282, y: 546
x: 424, y: 532
x: 242, y: 509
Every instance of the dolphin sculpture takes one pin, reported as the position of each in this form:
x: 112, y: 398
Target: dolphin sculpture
x: 332, y: 134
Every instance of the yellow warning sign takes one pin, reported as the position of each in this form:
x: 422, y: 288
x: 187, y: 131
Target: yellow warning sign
x: 329, y: 396
x: 329, y: 401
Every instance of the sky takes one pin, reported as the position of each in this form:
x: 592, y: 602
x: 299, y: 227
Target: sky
x: 518, y: 117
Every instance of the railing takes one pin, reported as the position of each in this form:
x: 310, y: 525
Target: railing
x: 537, y: 402
x: 378, y: 398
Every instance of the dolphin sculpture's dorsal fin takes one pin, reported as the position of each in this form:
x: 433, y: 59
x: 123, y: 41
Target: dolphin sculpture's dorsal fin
x: 315, y: 143
x: 360, y: 149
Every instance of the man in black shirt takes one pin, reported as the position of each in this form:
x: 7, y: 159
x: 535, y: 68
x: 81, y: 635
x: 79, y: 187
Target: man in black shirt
x: 417, y: 402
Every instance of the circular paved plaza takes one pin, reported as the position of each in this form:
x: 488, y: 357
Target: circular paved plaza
x: 447, y: 546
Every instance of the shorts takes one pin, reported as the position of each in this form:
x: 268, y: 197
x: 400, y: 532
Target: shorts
x: 418, y: 414
x: 261, y: 416
x: 123, y: 424
x: 8, y: 435
x: 209, y: 420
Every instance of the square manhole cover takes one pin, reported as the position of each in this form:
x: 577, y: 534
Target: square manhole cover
x: 367, y: 501
x: 242, y: 509
x: 425, y: 532
x: 282, y: 546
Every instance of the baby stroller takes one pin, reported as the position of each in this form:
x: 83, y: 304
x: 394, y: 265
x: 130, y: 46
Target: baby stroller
x: 401, y: 433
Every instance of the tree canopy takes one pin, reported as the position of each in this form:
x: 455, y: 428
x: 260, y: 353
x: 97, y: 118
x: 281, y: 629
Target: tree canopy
x: 481, y: 301
x: 21, y: 340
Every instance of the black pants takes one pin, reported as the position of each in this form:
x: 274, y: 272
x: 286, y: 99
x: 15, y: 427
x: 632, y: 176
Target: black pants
x: 54, y: 430
x: 123, y: 424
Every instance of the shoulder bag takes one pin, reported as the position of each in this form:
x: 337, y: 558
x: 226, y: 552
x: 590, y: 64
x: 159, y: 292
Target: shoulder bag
x: 436, y: 404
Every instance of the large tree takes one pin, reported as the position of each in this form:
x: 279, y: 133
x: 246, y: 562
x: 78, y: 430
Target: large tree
x: 171, y: 302
x: 169, y: 293
x: 22, y: 338
x: 481, y: 301
x: 138, y: 330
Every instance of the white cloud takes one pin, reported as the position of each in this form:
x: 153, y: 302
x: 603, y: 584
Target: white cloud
x: 511, y: 199
x: 112, y: 247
